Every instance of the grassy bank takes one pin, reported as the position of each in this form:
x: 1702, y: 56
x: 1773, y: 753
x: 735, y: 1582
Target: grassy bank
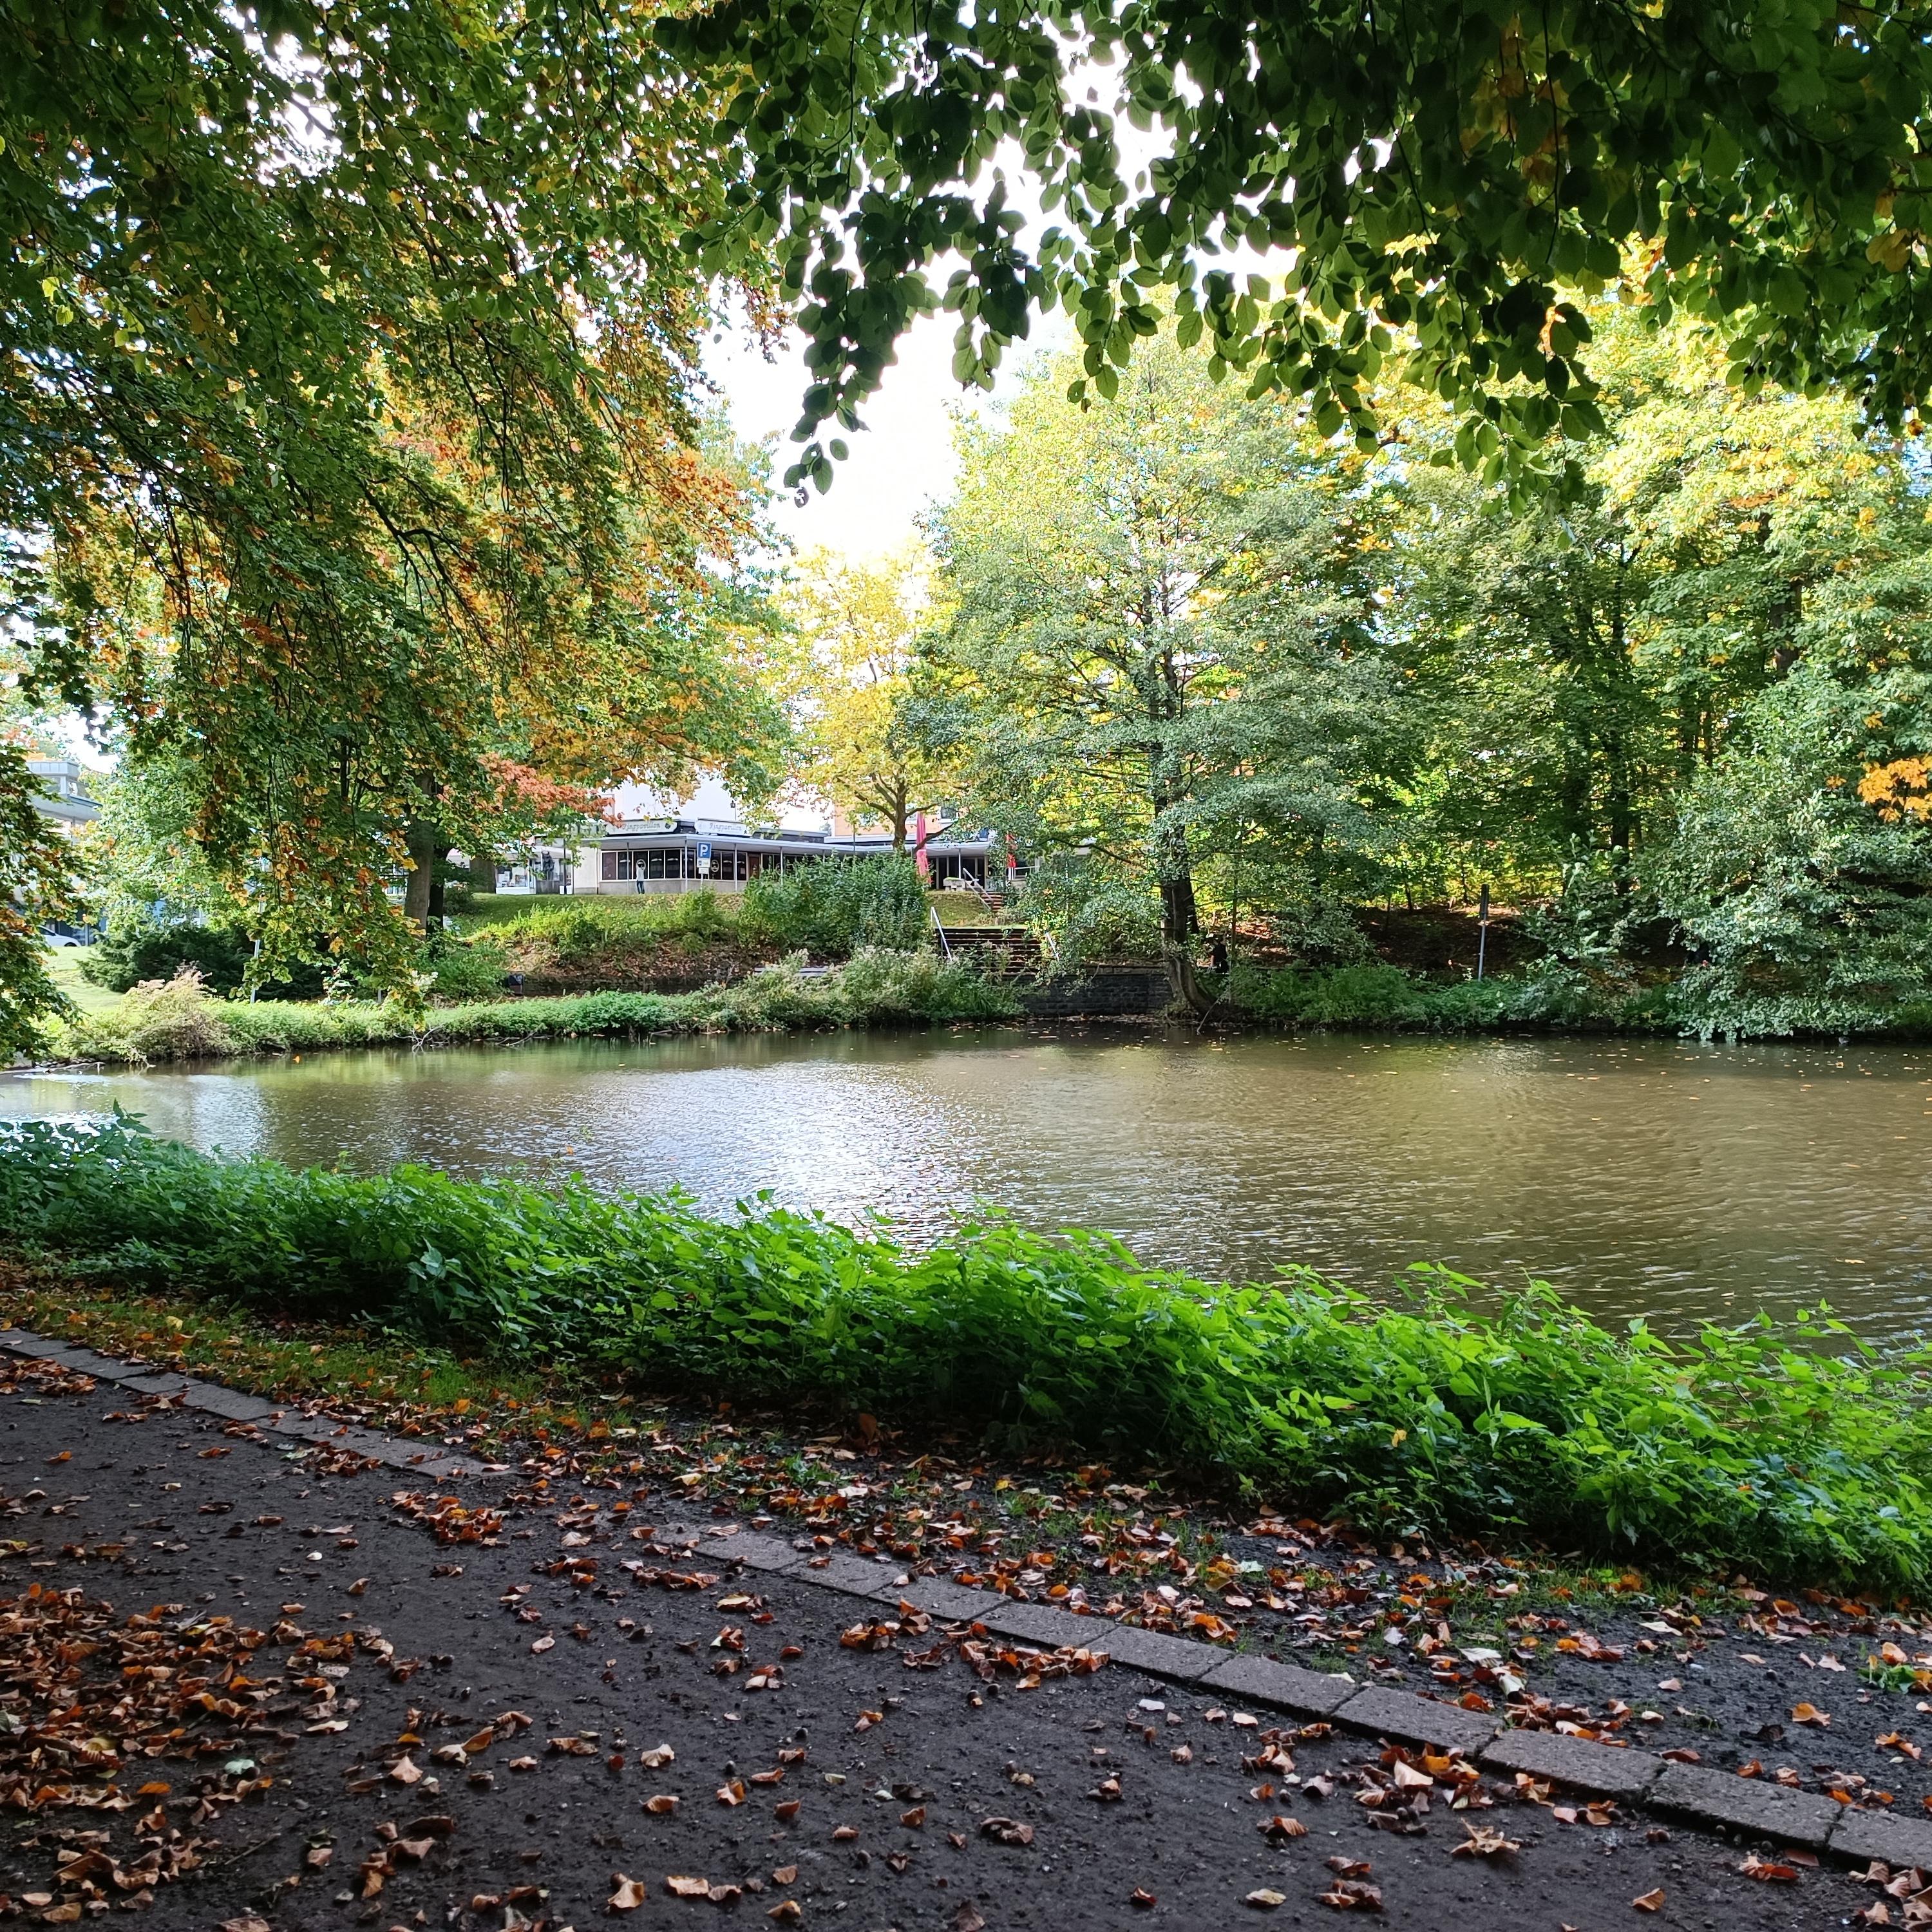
x: 181, y: 1021
x: 1753, y: 1447
x: 1545, y: 997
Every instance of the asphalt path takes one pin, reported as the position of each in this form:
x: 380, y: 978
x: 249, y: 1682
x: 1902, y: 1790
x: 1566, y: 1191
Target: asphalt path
x: 494, y: 1744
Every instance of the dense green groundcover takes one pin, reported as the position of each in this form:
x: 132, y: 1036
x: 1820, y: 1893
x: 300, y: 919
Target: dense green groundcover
x: 1797, y: 1453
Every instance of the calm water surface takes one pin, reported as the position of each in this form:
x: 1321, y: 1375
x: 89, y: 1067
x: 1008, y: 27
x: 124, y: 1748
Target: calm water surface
x: 1655, y: 1178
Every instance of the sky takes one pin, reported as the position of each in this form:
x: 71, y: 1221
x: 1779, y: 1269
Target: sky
x: 901, y: 464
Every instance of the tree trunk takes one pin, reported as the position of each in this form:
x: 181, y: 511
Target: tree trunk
x: 1178, y: 922
x: 425, y: 841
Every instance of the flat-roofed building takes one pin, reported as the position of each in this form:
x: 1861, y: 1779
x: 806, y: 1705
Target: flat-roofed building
x: 682, y: 855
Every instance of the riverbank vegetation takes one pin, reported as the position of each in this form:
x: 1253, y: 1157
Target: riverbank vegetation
x: 1794, y: 1452
x: 177, y: 1019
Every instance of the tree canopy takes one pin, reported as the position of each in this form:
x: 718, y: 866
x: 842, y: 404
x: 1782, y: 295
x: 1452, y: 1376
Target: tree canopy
x: 347, y: 457
x: 1444, y: 185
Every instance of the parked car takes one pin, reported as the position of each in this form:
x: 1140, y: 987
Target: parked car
x: 60, y: 934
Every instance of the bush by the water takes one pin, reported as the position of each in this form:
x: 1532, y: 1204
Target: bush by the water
x: 1795, y: 1451
x: 178, y: 1020
x: 136, y: 948
x: 836, y: 906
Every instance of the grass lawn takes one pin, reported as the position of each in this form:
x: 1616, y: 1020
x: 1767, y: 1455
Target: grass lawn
x: 63, y: 969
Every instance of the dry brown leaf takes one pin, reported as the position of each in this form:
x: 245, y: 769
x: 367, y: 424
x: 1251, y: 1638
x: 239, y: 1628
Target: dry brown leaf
x: 1650, y: 1901
x: 688, y: 1888
x: 787, y: 1911
x: 1484, y: 1841
x: 784, y: 1875
x: 657, y: 1757
x: 1007, y: 1831
x: 630, y: 1893
x: 661, y: 1806
x: 1350, y: 1895
x: 1767, y: 1871
x: 1264, y: 1900
x: 1810, y: 1713
x: 1141, y: 1897
x: 914, y: 1819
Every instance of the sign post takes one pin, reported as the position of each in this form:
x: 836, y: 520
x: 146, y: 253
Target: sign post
x: 704, y: 859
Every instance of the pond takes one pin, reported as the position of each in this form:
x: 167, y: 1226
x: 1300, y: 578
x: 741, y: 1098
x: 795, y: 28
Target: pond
x: 1656, y: 1178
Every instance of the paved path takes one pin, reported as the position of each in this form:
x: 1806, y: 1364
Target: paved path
x: 485, y: 1753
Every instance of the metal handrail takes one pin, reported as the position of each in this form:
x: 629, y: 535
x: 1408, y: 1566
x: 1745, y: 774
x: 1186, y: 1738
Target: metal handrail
x: 939, y: 927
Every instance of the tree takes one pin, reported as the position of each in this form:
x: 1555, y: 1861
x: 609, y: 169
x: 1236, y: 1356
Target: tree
x: 1584, y: 661
x: 344, y: 443
x: 1459, y: 176
x: 1161, y: 645
x: 860, y: 625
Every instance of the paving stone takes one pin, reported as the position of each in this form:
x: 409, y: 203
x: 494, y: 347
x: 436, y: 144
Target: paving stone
x: 1160, y: 1655
x: 1400, y: 1714
x: 1283, y: 1686
x: 1601, y: 1768
x: 1717, y: 1797
x: 308, y: 1428
x: 230, y: 1403
x: 760, y: 1553
x: 953, y: 1602
x: 24, y: 1342
x: 157, y: 1384
x: 1899, y: 1842
x: 1038, y: 1623
x: 852, y: 1574
x: 102, y: 1368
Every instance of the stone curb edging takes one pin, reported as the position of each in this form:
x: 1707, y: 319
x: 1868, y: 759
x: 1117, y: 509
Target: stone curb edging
x: 1708, y: 1797
x: 232, y: 1405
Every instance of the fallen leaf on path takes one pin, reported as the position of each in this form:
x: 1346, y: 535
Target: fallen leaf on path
x: 630, y: 1893
x: 1810, y: 1713
x: 784, y: 1875
x: 1347, y: 1867
x: 1007, y: 1831
x: 405, y: 1770
x: 1141, y: 1897
x: 966, y: 1920
x: 688, y: 1888
x: 542, y: 1644
x: 1264, y: 1900
x: 1650, y: 1901
x: 785, y: 1813
x: 1349, y: 1894
x: 844, y: 1835
x: 1484, y: 1841
x: 661, y: 1806
x: 1767, y: 1872
x: 914, y: 1819
x: 1278, y: 1830
x: 787, y: 1911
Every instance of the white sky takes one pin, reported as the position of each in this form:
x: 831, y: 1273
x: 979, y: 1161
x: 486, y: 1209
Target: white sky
x: 901, y: 463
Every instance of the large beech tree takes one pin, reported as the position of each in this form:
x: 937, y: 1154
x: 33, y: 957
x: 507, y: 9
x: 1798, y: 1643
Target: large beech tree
x: 344, y: 452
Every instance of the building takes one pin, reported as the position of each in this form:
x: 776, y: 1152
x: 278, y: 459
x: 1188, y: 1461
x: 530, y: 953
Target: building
x: 63, y: 796
x: 681, y: 855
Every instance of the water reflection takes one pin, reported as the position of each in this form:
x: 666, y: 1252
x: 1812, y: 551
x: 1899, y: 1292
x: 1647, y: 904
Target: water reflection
x: 1655, y: 1178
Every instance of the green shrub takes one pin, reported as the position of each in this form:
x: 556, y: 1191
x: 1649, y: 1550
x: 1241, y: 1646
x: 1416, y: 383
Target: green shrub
x: 1796, y: 1451
x: 159, y: 1019
x: 834, y: 907
x: 465, y: 969
x: 136, y: 948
